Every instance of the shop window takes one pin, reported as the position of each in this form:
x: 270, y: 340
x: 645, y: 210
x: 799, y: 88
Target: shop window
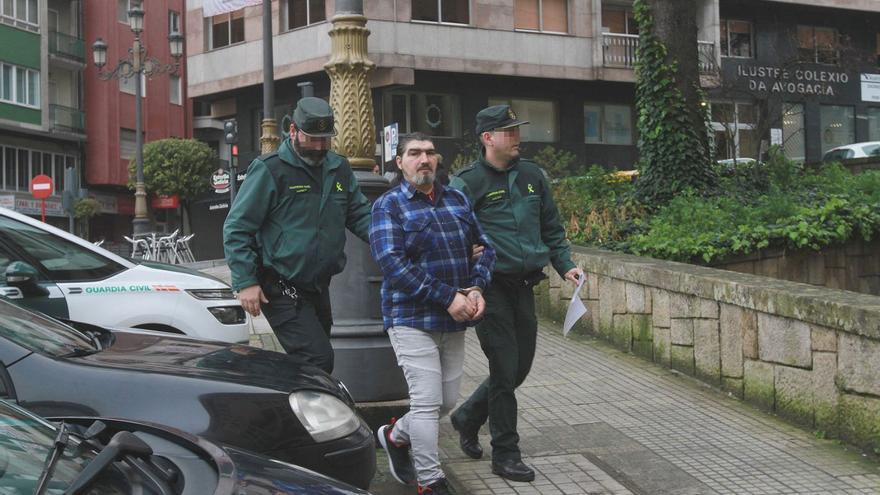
x: 793, y: 134
x: 299, y: 13
x: 430, y: 113
x: 733, y: 126
x: 873, y: 115
x: 543, y: 115
x: 818, y: 45
x: 608, y: 124
x: 837, y: 126
x: 226, y: 29
x: 736, y: 39
x: 447, y: 11
x: 618, y: 20
x: 541, y: 15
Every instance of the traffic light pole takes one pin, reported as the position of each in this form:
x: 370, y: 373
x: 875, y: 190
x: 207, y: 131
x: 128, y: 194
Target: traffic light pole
x: 233, y: 174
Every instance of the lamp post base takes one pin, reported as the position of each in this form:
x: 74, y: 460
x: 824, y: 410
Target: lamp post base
x: 141, y: 223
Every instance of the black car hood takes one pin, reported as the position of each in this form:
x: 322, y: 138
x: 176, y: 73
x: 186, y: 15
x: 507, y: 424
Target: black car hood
x: 256, y: 474
x: 150, y: 352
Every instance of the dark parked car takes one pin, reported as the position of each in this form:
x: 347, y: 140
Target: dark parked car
x: 265, y: 402
x: 108, y: 457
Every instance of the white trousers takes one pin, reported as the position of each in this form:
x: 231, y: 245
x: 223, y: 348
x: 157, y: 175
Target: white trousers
x: 432, y: 364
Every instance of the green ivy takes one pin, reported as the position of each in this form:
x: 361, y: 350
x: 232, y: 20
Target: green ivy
x: 673, y: 153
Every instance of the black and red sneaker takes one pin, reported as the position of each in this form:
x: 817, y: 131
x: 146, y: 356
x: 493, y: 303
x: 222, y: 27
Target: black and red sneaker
x: 437, y: 487
x: 399, y: 462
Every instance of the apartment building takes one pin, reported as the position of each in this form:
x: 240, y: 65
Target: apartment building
x: 787, y: 72
x: 42, y: 125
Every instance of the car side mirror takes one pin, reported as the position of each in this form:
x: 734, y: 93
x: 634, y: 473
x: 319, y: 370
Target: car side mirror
x: 24, y: 276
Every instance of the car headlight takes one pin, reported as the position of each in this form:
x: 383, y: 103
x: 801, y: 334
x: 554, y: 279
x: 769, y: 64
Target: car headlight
x: 325, y: 417
x: 211, y: 293
x: 229, y: 315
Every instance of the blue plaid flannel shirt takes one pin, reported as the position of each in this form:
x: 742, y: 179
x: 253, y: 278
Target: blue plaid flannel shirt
x: 424, y: 251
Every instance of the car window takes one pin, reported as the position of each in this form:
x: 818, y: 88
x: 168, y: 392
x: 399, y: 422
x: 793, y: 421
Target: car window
x: 837, y: 155
x: 38, y: 333
x: 5, y: 259
x: 61, y: 259
x: 871, y: 149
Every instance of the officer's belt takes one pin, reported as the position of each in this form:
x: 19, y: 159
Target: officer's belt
x: 519, y: 279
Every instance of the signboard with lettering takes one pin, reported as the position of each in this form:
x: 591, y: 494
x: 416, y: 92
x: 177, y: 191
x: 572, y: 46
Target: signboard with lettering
x: 793, y: 81
x: 870, y: 87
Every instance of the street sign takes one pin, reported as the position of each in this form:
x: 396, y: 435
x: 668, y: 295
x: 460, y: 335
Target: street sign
x: 390, y: 140
x: 220, y: 181
x: 41, y: 188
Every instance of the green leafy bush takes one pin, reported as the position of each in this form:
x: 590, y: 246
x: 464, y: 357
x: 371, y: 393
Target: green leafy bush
x: 775, y: 203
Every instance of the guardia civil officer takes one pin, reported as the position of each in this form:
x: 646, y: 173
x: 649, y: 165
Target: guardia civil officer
x: 285, y: 232
x: 513, y: 203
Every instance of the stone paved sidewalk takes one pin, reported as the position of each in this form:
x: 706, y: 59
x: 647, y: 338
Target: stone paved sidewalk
x: 597, y: 421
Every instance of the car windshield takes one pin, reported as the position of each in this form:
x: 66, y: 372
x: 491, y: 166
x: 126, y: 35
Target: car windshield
x: 38, y: 333
x: 871, y: 149
x: 25, y: 442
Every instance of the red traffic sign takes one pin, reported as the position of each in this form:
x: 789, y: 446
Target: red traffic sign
x: 42, y: 186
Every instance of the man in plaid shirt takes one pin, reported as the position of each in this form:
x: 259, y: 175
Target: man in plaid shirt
x: 422, y: 234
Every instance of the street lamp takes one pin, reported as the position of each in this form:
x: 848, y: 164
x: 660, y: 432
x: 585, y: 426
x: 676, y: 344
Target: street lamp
x: 137, y: 65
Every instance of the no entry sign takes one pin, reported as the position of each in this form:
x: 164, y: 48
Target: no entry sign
x: 41, y: 188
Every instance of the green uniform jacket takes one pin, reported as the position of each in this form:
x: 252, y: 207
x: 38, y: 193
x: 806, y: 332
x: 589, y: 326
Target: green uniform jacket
x: 292, y: 217
x: 516, y: 209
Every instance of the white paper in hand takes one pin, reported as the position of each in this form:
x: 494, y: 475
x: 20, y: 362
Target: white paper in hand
x: 576, y: 308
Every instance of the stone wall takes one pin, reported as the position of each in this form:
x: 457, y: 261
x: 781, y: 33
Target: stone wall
x: 808, y: 353
x: 854, y: 266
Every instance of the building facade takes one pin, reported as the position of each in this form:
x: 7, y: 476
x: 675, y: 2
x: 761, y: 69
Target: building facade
x: 110, y: 106
x: 42, y: 125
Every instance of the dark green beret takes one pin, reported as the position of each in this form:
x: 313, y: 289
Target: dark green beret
x: 496, y: 117
x: 314, y: 117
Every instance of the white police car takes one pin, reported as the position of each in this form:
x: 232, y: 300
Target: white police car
x: 66, y: 277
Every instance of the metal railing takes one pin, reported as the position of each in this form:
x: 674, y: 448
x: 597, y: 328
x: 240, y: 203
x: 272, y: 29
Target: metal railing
x: 620, y: 50
x: 68, y: 46
x: 67, y: 118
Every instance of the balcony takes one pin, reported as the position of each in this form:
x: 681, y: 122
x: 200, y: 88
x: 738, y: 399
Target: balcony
x: 619, y: 51
x: 67, y: 119
x: 64, y: 47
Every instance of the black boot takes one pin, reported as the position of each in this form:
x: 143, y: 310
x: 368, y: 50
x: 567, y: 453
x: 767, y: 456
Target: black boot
x: 468, y: 440
x: 513, y: 469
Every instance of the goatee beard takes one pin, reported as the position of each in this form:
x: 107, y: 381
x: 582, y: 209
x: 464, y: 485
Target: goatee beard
x: 422, y: 180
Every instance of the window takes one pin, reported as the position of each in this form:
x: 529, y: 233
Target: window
x: 543, y: 115
x: 877, y: 49
x: 451, y: 11
x: 226, y: 29
x: 122, y: 8
x: 608, y: 124
x: 430, y: 113
x: 873, y: 124
x: 619, y: 20
x: 818, y: 45
x: 18, y: 166
x: 24, y: 14
x: 127, y: 144
x: 127, y: 85
x: 62, y: 260
x: 734, y: 130
x: 793, y: 136
x: 175, y: 90
x: 19, y: 85
x: 837, y: 125
x: 174, y: 22
x: 301, y: 13
x: 736, y: 39
x: 541, y: 15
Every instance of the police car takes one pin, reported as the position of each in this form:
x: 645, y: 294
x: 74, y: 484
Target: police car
x: 66, y: 277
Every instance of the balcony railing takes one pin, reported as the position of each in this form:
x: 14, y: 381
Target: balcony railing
x: 67, y: 46
x: 619, y: 50
x: 706, y: 57
x: 67, y: 118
